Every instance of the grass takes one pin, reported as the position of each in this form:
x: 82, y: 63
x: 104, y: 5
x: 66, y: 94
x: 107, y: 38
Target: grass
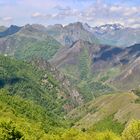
x: 108, y: 124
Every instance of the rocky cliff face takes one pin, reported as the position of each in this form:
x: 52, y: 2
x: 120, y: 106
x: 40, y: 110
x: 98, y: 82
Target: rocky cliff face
x: 70, y: 94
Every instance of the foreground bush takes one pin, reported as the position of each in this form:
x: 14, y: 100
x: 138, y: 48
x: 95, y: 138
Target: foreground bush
x: 107, y: 135
x: 8, y: 131
x: 132, y: 132
x: 21, y: 130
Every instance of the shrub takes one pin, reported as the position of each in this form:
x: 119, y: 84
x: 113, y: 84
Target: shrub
x: 107, y: 135
x: 8, y: 131
x: 132, y: 132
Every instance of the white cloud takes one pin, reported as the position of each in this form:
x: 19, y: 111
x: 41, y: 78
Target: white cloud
x: 97, y: 13
x: 7, y: 18
x: 101, y: 14
x: 62, y: 13
x: 37, y: 14
x: 61, y: 8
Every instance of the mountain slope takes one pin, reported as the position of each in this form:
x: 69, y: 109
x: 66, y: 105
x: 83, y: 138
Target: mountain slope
x: 108, y: 68
x: 76, y: 62
x: 116, y: 56
x: 126, y: 60
x: 73, y: 97
x: 32, y: 101
x: 122, y: 107
x: 39, y: 85
x: 30, y: 41
x: 129, y: 78
x: 32, y: 97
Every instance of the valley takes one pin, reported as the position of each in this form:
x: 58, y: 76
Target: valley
x: 72, y: 82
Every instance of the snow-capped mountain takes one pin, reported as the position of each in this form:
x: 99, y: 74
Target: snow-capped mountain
x: 107, y: 28
x: 115, y: 34
x: 103, y: 28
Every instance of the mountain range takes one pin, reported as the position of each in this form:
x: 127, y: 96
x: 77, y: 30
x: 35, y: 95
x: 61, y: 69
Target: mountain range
x: 108, y: 34
x: 69, y: 77
x: 93, y: 66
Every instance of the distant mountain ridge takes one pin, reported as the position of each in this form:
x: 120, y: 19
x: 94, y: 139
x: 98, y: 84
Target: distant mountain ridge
x: 9, y: 31
x: 28, y: 42
x: 115, y: 34
x: 103, y: 28
x: 70, y: 33
x: 109, y: 34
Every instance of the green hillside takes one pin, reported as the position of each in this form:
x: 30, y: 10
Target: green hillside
x: 24, y: 119
x: 38, y: 81
x: 37, y: 48
x: 77, y: 63
x: 39, y: 102
x: 29, y: 42
x: 31, y: 107
x: 27, y: 101
x: 121, y: 108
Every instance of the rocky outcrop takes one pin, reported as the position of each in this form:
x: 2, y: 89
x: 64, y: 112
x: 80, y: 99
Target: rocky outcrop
x: 69, y: 92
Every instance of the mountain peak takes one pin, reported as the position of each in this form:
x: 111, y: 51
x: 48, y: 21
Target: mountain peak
x: 9, y: 31
x: 108, y: 28
x: 38, y: 26
x: 87, y: 27
x: 116, y: 26
x: 34, y: 28
x: 76, y: 25
x: 56, y: 26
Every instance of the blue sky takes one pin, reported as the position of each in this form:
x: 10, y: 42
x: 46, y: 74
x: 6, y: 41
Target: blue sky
x: 93, y: 12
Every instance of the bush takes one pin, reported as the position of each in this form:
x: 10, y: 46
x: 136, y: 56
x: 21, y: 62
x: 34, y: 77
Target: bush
x: 107, y: 135
x: 132, y: 132
x: 8, y: 131
x: 74, y: 134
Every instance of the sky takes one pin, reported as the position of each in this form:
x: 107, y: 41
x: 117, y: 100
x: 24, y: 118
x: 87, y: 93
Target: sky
x: 48, y: 12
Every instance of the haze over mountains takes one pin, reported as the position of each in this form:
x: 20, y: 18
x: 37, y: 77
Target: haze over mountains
x: 72, y: 76
x: 109, y: 34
